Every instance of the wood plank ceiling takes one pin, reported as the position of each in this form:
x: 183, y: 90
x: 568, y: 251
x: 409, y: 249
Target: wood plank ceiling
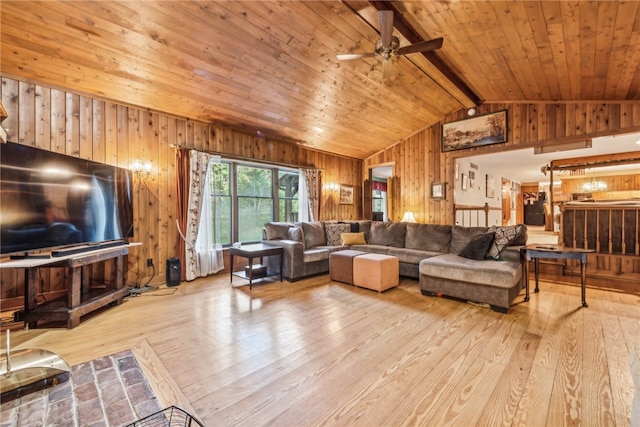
x: 271, y: 66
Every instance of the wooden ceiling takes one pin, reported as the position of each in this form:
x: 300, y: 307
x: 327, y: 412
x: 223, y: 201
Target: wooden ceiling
x: 271, y: 66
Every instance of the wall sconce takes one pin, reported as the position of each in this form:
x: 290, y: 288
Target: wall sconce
x: 141, y: 169
x: 332, y: 187
x: 408, y: 217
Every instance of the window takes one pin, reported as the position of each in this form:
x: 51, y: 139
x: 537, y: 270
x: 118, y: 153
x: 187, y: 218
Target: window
x: 251, y: 194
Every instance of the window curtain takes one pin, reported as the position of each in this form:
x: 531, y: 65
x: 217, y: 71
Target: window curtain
x: 199, y: 165
x: 210, y: 257
x: 309, y: 195
x: 182, y: 183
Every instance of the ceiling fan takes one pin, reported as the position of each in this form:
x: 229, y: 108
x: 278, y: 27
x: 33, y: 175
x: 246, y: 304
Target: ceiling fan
x: 388, y: 45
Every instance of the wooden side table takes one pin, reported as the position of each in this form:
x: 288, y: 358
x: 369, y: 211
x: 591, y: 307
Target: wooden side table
x: 250, y: 252
x: 536, y: 251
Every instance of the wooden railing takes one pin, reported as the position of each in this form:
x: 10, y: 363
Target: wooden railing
x: 471, y: 215
x: 607, y: 227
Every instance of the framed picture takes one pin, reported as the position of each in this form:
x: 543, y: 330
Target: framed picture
x: 465, y: 182
x: 438, y: 191
x: 346, y: 194
x: 491, y: 187
x: 475, y: 132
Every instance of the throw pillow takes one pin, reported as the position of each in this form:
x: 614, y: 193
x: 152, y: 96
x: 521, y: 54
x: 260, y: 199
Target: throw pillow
x: 313, y: 233
x: 388, y: 233
x: 349, y: 239
x: 277, y: 230
x: 296, y: 233
x: 333, y: 232
x: 503, y: 237
x: 478, y: 247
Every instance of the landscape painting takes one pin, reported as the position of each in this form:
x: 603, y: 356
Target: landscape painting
x: 475, y: 132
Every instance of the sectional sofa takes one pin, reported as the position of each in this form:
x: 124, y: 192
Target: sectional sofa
x: 447, y: 259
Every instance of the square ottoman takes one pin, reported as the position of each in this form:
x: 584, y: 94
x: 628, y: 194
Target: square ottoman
x: 341, y: 265
x: 376, y: 271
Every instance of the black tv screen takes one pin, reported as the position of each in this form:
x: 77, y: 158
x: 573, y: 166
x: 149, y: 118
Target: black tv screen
x: 50, y: 200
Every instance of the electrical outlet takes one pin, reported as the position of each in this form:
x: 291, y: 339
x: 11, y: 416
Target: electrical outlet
x: 149, y: 262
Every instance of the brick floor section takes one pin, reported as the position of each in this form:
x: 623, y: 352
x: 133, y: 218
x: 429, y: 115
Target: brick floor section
x: 110, y: 391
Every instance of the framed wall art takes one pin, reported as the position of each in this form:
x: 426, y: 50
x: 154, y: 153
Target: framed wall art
x: 438, y: 191
x: 491, y: 187
x: 475, y: 132
x: 346, y: 194
x: 465, y: 182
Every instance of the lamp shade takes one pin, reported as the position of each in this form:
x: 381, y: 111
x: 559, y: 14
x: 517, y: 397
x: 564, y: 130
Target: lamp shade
x: 408, y: 217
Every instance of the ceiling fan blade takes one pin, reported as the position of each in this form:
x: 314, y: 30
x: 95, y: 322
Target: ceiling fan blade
x: 348, y: 56
x: 422, y: 46
x: 385, y: 20
x: 387, y: 68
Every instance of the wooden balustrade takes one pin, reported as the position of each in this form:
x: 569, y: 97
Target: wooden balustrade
x: 611, y: 228
x: 467, y: 220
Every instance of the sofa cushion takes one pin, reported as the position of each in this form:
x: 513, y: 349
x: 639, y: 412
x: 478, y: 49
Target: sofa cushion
x: 428, y: 237
x: 503, y: 238
x: 296, y: 233
x: 501, y: 274
x: 410, y: 256
x: 461, y: 236
x: 349, y: 239
x: 277, y: 230
x: 313, y: 234
x: 316, y: 254
x: 388, y: 233
x: 478, y: 247
x: 333, y: 232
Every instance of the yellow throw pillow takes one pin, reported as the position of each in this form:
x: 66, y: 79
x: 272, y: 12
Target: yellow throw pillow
x: 349, y: 239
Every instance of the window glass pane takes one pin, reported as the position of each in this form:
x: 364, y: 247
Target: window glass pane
x: 221, y: 183
x: 224, y: 216
x: 254, y: 182
x: 287, y: 196
x: 253, y: 213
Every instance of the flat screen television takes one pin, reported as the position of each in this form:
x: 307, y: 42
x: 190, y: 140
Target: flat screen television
x: 50, y: 200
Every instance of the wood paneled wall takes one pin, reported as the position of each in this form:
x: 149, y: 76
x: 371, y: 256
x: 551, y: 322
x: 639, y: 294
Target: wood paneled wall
x: 419, y: 160
x: 103, y: 131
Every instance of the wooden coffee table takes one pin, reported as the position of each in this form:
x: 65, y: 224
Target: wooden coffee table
x: 536, y: 251
x: 250, y: 252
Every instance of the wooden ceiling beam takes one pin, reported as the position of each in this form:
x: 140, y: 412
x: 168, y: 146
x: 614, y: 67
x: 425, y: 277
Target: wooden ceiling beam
x: 595, y: 161
x: 405, y: 28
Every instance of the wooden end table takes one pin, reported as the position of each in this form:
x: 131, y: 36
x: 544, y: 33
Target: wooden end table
x: 536, y: 251
x: 250, y: 252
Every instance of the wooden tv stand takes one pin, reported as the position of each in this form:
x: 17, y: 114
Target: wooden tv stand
x: 81, y: 299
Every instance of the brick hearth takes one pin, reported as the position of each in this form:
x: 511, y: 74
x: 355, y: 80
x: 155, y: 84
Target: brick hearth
x: 110, y: 391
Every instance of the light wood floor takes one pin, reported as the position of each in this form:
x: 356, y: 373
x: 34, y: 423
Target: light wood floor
x: 317, y: 352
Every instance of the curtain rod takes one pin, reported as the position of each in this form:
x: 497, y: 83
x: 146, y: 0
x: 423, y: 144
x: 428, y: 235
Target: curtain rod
x: 247, y: 159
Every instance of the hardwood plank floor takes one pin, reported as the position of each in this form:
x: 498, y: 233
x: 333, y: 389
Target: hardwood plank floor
x: 317, y: 352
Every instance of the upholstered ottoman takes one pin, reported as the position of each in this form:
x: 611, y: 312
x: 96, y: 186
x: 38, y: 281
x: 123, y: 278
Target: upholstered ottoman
x: 341, y: 265
x: 376, y: 271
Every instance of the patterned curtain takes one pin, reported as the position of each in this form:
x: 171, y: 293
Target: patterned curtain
x: 309, y: 195
x: 199, y: 163
x: 210, y: 255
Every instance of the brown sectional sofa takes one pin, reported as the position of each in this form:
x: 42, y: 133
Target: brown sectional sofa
x: 428, y: 252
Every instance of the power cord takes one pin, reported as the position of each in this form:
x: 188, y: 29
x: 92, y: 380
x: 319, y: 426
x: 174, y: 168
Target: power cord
x: 137, y: 290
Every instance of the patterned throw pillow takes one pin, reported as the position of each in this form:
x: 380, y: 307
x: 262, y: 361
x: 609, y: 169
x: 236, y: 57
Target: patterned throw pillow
x: 503, y: 237
x: 333, y: 232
